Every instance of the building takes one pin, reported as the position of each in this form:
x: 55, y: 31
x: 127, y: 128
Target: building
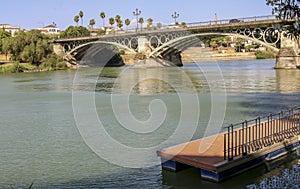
x: 51, y: 29
x: 9, y: 28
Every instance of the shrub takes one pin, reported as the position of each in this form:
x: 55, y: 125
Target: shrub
x: 264, y: 54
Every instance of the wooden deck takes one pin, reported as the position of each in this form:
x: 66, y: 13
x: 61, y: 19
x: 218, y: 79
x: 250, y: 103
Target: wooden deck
x: 190, y: 153
x: 264, y: 141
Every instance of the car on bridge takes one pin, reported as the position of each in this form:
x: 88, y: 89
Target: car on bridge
x: 235, y: 21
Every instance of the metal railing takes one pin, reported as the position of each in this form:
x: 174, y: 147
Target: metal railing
x: 232, y: 21
x: 173, y: 27
x: 252, y: 135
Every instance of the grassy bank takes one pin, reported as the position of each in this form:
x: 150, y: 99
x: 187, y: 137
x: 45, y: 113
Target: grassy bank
x: 17, y: 67
x: 264, y: 54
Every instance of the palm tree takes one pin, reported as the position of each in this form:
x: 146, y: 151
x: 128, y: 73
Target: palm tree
x: 117, y: 18
x: 141, y: 21
x: 76, y: 19
x: 81, y: 17
x: 159, y: 25
x: 149, y: 23
x: 92, y: 23
x: 127, y: 22
x: 111, y: 21
x: 120, y: 24
x: 102, y: 15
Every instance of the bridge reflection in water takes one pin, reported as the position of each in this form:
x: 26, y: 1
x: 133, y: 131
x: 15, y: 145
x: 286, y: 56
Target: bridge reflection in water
x: 259, y: 78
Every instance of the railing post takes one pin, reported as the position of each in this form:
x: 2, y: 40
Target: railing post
x: 259, y: 131
x: 271, y: 129
x: 225, y: 150
x: 243, y: 140
x: 232, y: 142
x: 246, y: 125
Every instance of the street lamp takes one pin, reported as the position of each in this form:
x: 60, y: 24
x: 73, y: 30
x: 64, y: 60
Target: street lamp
x: 175, y: 16
x: 136, y: 13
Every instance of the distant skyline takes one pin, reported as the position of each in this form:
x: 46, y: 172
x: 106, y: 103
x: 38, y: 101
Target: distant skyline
x: 31, y: 14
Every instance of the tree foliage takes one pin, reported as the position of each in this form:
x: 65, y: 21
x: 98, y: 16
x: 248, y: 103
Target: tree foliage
x: 141, y: 21
x: 127, y: 22
x: 31, y: 47
x: 102, y: 15
x: 81, y: 17
x: 111, y: 21
x: 92, y: 22
x: 149, y: 22
x: 120, y: 24
x: 3, y: 35
x: 287, y: 9
x: 75, y: 31
x: 76, y: 19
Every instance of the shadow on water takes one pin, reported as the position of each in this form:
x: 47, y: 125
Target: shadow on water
x: 154, y: 177
x: 191, y: 178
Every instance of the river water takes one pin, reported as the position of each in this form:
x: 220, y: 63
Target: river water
x: 47, y: 122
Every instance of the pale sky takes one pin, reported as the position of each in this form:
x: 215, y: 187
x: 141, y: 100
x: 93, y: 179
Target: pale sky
x: 31, y: 14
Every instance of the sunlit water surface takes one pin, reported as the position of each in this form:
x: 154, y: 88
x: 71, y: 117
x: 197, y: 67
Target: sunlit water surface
x: 40, y: 142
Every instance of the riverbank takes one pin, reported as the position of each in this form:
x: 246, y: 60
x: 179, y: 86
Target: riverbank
x: 198, y: 54
x: 16, y: 67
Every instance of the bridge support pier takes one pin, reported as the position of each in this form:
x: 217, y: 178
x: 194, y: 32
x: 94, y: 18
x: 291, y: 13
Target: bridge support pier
x: 58, y: 49
x: 143, y: 45
x: 288, y: 56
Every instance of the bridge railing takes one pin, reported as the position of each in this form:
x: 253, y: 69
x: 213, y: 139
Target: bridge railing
x: 232, y: 21
x: 252, y: 135
x: 174, y: 27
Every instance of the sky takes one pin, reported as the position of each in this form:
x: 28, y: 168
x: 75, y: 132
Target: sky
x: 32, y: 14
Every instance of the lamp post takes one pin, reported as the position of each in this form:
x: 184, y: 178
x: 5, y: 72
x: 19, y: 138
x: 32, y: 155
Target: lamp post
x: 175, y: 16
x: 136, y: 13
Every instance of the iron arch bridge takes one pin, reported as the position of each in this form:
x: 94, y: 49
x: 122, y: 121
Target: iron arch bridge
x: 161, y: 43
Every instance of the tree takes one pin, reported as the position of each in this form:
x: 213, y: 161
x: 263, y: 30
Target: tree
x: 127, y: 22
x: 81, y: 17
x: 183, y: 24
x: 120, y: 24
x: 75, y: 31
x: 76, y: 19
x: 102, y: 15
x: 6, y: 46
x: 149, y: 22
x: 92, y: 23
x: 111, y: 21
x: 287, y: 9
x: 117, y: 18
x: 141, y: 21
x: 159, y: 25
x: 3, y: 34
x: 227, y: 40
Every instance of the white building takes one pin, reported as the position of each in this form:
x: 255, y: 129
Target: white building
x: 9, y: 28
x: 51, y: 29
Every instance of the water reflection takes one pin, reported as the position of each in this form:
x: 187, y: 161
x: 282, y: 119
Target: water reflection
x: 288, y: 81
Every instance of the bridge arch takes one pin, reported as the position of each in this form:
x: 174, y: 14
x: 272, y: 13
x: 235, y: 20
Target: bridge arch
x: 96, y: 53
x: 119, y: 45
x: 182, y: 43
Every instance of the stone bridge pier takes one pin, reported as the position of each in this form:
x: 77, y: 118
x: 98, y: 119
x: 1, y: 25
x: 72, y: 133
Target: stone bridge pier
x: 146, y: 48
x: 289, y: 54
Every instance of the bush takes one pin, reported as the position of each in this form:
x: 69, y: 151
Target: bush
x: 264, y: 54
x: 53, y: 62
x: 12, y: 68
